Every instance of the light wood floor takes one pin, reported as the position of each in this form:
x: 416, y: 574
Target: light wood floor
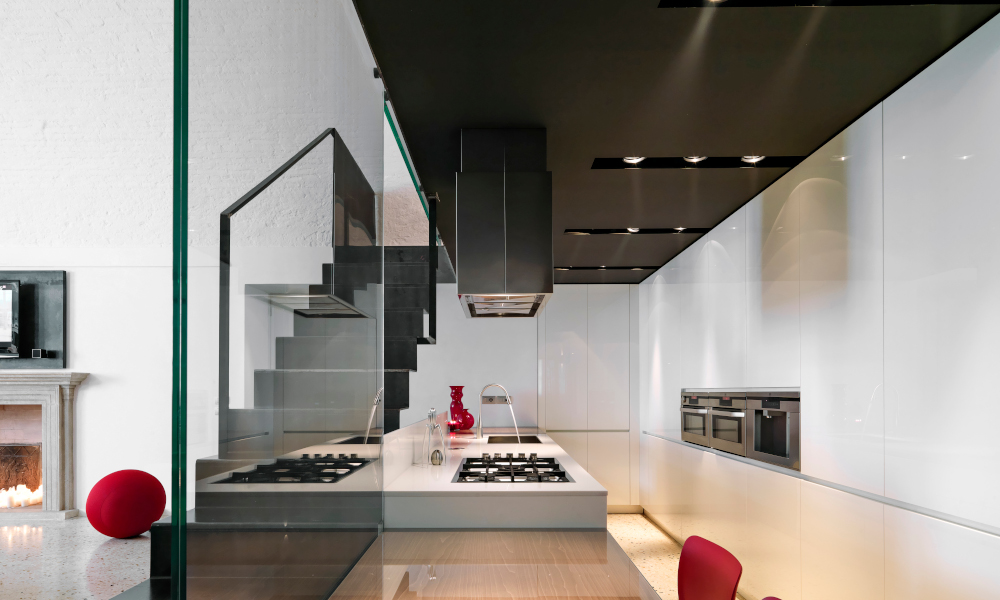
x: 457, y: 565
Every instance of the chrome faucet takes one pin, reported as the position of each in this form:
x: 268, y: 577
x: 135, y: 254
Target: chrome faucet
x: 378, y: 396
x: 479, y: 433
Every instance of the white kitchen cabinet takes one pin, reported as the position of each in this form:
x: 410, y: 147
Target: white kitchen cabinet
x: 841, y: 533
x: 772, y: 556
x: 838, y: 191
x: 566, y: 358
x: 725, y: 341
x: 942, y: 283
x: 608, y: 357
x: 608, y: 463
x: 660, y: 351
x: 773, y: 287
x: 573, y: 442
x: 694, y: 298
x: 929, y: 559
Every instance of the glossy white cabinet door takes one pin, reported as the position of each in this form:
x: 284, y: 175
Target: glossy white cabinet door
x: 725, y: 336
x: 566, y: 358
x: 942, y: 283
x: 839, y: 194
x: 842, y: 545
x: 772, y: 557
x: 928, y: 559
x: 573, y: 442
x: 608, y: 357
x: 660, y: 350
x: 608, y: 463
x: 694, y: 297
x: 773, y: 288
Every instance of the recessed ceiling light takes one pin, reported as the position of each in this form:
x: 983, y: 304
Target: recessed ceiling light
x: 966, y: 157
x: 752, y: 159
x: 636, y: 268
x: 634, y: 160
x: 838, y: 158
x: 679, y: 228
x: 633, y: 229
x: 577, y: 233
x: 603, y: 267
x: 694, y: 159
x: 562, y: 269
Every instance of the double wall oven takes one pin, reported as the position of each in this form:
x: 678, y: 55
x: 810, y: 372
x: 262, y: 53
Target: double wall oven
x: 759, y: 424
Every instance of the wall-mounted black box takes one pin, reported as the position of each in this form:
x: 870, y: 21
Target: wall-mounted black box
x: 42, y: 308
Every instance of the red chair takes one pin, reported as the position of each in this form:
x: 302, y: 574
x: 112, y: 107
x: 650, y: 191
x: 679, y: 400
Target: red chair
x: 707, y: 571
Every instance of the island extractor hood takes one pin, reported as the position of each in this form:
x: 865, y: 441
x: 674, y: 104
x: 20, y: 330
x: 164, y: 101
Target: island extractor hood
x: 503, y: 198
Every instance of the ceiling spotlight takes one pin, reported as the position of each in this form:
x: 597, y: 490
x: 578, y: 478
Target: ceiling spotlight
x: 634, y: 160
x: 839, y: 158
x: 679, y: 228
x: 636, y: 268
x: 632, y: 229
x: 577, y: 233
x: 694, y: 159
x: 602, y: 267
x: 562, y: 268
x: 752, y: 159
x: 966, y: 157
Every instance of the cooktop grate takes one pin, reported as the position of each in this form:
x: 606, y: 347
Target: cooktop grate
x: 315, y: 469
x: 511, y: 469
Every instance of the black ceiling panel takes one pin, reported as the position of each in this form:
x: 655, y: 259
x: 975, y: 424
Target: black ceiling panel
x: 624, y: 78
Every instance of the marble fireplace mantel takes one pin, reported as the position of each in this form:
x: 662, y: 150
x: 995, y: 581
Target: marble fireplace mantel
x: 55, y: 391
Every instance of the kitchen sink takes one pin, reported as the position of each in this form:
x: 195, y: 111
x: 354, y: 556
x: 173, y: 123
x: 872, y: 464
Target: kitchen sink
x: 512, y: 439
x: 372, y: 439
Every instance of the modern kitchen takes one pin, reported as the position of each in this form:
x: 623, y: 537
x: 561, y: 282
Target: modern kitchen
x: 656, y: 300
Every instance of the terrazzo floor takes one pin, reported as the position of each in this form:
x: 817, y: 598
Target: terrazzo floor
x: 68, y: 560
x: 653, y: 552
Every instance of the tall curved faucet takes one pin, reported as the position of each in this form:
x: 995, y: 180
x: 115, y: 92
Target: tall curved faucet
x: 479, y: 433
x: 378, y: 396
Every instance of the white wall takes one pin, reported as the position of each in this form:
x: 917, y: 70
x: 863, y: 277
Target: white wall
x: 474, y: 353
x: 86, y: 124
x: 871, y: 282
x: 85, y: 174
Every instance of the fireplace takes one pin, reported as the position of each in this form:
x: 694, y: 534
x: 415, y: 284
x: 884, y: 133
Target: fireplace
x: 20, y: 455
x: 36, y: 445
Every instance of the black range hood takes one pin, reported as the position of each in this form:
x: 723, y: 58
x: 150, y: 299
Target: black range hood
x: 503, y: 223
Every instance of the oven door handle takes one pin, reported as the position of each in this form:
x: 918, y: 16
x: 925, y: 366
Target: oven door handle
x: 728, y: 413
x: 697, y: 411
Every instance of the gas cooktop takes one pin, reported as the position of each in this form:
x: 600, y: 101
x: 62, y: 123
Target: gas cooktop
x: 511, y: 469
x: 315, y: 469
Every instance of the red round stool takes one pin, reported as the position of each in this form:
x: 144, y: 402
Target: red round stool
x: 125, y: 503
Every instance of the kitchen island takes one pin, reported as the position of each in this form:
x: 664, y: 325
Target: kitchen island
x: 429, y: 497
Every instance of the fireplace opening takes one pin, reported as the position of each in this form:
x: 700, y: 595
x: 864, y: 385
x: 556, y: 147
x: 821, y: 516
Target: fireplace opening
x: 20, y: 456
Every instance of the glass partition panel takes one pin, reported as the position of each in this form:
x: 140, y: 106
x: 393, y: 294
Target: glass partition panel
x: 284, y: 297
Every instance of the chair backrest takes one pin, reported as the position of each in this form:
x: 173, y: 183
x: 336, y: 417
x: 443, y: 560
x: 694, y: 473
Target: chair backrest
x: 707, y: 571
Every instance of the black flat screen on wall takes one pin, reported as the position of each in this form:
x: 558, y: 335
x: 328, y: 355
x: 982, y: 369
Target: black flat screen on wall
x: 9, y: 325
x: 33, y: 320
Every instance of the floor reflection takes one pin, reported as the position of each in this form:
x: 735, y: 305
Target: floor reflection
x: 496, y: 564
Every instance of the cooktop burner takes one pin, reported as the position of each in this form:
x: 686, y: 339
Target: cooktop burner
x: 315, y: 469
x: 511, y: 469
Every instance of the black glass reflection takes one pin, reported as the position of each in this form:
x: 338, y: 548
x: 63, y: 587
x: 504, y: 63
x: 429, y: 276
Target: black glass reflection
x: 771, y: 432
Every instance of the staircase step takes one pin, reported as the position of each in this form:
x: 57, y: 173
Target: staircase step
x: 354, y: 328
x: 407, y: 296
x: 401, y: 353
x: 311, y: 300
x: 397, y: 390
x: 340, y: 352
x: 404, y: 322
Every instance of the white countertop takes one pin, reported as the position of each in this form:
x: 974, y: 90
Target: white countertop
x: 437, y: 480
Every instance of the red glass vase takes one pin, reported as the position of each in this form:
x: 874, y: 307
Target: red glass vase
x: 456, y: 404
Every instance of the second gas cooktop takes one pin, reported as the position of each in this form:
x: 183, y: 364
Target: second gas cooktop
x: 511, y: 469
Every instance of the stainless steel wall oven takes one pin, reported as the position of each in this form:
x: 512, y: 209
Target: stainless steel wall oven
x: 694, y: 419
x: 773, y: 428
x: 762, y: 424
x: 727, y: 416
